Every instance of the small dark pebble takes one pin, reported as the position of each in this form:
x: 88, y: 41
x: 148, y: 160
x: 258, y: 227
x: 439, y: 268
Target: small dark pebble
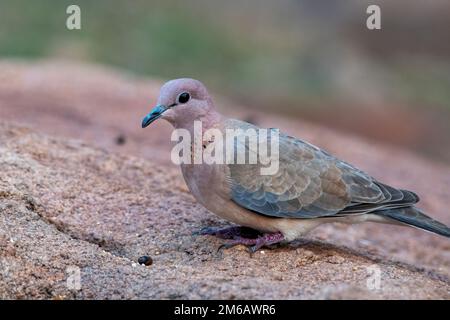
x: 121, y: 140
x: 145, y: 260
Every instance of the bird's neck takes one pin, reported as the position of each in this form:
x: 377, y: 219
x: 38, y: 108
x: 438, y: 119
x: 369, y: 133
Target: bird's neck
x: 209, y: 120
x: 212, y: 119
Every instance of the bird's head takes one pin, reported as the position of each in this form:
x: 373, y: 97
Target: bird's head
x: 181, y: 102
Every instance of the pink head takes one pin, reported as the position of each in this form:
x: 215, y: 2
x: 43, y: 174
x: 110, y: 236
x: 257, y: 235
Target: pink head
x: 181, y: 102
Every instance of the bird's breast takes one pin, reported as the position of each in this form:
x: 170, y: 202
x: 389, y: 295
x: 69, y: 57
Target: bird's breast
x: 206, y: 182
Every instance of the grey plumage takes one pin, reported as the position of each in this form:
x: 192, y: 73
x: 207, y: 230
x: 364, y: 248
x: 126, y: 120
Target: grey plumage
x: 414, y: 217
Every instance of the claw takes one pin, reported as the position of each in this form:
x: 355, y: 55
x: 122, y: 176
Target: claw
x: 205, y: 231
x: 253, y: 249
x: 227, y: 246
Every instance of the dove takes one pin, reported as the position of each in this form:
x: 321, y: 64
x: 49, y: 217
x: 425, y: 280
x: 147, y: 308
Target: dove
x: 310, y: 187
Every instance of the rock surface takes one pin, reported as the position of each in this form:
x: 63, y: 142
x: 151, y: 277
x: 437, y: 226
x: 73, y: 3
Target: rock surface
x: 90, y: 209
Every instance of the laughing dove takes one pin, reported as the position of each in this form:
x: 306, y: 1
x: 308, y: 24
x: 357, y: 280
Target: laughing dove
x: 309, y: 188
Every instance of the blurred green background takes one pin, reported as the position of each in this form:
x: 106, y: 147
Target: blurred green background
x: 310, y: 59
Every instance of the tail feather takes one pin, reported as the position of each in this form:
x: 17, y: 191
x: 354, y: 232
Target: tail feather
x: 414, y: 217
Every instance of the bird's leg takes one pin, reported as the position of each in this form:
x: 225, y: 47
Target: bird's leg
x: 255, y: 244
x: 266, y: 240
x: 234, y: 232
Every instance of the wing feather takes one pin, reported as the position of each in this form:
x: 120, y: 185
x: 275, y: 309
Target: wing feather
x: 310, y: 183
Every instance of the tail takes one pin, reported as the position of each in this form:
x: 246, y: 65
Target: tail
x: 414, y: 217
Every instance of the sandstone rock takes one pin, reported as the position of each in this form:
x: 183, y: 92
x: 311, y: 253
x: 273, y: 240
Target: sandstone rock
x: 70, y: 208
x: 65, y: 206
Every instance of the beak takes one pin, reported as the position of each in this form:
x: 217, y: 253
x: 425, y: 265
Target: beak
x: 153, y: 115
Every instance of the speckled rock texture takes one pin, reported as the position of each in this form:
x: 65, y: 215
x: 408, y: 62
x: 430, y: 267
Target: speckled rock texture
x: 84, y: 192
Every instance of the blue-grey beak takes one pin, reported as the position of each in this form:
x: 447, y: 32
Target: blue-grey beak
x: 153, y: 115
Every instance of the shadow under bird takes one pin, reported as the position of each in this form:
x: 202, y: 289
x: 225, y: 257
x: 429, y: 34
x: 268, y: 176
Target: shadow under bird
x: 311, y: 187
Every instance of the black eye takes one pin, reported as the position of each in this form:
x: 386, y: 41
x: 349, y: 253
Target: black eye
x: 183, y: 97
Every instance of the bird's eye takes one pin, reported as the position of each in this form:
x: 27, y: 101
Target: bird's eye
x: 183, y: 97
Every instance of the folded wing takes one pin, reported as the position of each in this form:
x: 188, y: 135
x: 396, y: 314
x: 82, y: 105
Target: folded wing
x: 310, y: 183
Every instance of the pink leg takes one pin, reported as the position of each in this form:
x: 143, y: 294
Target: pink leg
x: 255, y: 244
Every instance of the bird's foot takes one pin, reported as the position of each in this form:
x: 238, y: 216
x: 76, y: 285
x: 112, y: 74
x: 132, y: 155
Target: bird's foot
x: 254, y: 244
x: 235, y: 232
